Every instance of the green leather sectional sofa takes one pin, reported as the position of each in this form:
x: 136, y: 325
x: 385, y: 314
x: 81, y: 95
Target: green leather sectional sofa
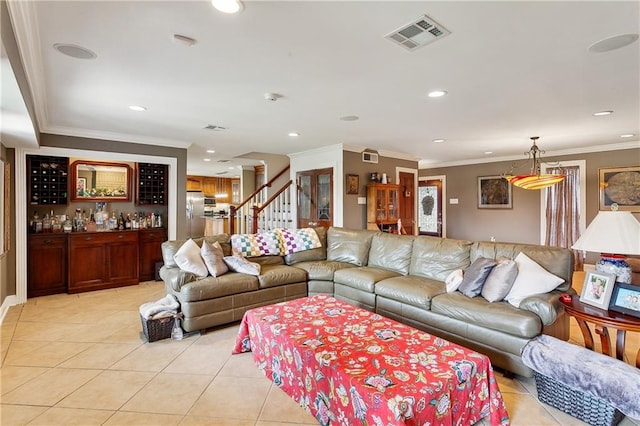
x: 399, y: 276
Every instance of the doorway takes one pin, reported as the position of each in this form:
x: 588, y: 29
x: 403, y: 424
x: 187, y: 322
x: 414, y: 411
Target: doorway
x: 430, y: 207
x: 315, y: 198
x: 406, y: 201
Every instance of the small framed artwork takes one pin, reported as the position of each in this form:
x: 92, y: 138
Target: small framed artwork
x: 626, y: 299
x: 597, y: 289
x: 619, y: 185
x: 353, y: 184
x: 494, y: 192
x: 81, y: 185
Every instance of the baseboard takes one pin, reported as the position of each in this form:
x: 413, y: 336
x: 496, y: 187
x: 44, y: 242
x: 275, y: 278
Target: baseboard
x: 8, y: 302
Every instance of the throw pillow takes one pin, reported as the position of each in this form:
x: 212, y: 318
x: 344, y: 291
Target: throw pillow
x: 253, y: 245
x: 242, y: 265
x: 475, y: 276
x: 295, y: 240
x: 213, y: 256
x: 188, y: 259
x: 532, y: 279
x: 500, y: 280
x: 453, y: 281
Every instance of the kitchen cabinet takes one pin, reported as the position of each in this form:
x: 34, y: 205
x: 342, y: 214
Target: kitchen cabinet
x: 151, y: 184
x: 209, y: 186
x: 47, y: 180
x: 46, y: 264
x: 194, y: 183
x: 150, y: 251
x: 382, y: 207
x: 99, y: 260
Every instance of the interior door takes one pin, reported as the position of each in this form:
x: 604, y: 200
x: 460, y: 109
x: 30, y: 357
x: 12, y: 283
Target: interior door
x: 315, y: 198
x: 407, y: 201
x: 430, y: 207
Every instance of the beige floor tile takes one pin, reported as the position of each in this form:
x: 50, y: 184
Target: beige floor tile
x: 523, y: 409
x: 126, y: 334
x: 50, y: 387
x: 154, y: 356
x: 11, y: 377
x: 52, y: 332
x: 142, y: 419
x: 109, y: 390
x: 71, y: 416
x: 265, y: 423
x: 509, y: 385
x: 211, y: 421
x: 241, y: 365
x: 100, y: 355
x: 49, y: 355
x: 280, y: 407
x: 169, y: 394
x: 19, y: 349
x: 18, y: 415
x: 204, y: 359
x: 232, y: 398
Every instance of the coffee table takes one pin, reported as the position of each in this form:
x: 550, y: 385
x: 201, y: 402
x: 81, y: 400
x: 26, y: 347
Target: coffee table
x: 602, y: 320
x: 348, y: 366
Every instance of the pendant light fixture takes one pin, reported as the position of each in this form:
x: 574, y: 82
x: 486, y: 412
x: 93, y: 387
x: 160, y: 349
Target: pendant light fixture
x: 534, y: 180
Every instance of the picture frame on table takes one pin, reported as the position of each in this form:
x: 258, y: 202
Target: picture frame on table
x: 494, y: 192
x: 619, y: 185
x: 353, y: 184
x: 597, y: 289
x: 626, y: 299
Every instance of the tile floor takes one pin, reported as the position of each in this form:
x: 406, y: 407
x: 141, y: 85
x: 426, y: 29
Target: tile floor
x: 81, y: 360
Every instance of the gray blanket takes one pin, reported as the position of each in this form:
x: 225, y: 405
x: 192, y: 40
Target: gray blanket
x: 582, y: 369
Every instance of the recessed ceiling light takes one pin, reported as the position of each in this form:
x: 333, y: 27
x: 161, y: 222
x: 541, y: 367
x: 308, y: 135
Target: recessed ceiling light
x: 628, y: 135
x: 75, y: 51
x: 437, y: 93
x: 231, y: 168
x: 599, y: 113
x: 206, y: 159
x: 350, y: 118
x: 137, y: 108
x: 613, y: 43
x: 211, y: 151
x: 227, y: 6
x: 294, y: 134
x: 438, y: 140
x: 488, y: 152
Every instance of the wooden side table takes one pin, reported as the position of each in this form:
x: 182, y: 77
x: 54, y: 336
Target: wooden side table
x: 602, y: 319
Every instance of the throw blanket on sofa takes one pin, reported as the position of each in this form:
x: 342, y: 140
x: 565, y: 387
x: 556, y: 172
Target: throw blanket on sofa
x: 350, y: 366
x: 582, y: 369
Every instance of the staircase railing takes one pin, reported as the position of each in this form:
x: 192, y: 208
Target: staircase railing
x: 249, y: 214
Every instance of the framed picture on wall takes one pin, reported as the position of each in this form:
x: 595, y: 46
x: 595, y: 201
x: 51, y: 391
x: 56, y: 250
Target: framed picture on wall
x: 494, y: 192
x: 620, y: 185
x: 353, y: 184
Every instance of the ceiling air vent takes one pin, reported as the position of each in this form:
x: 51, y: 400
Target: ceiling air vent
x: 214, y: 127
x: 370, y: 157
x: 423, y: 30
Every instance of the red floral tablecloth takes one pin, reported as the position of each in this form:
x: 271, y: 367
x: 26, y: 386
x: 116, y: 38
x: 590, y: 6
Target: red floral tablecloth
x: 350, y: 366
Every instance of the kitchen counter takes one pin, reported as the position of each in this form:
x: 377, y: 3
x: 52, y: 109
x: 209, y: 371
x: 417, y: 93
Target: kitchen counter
x: 214, y: 225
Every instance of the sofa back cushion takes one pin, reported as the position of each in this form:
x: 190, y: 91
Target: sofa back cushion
x: 435, y: 258
x: 170, y: 248
x: 348, y: 245
x: 557, y: 260
x: 393, y: 252
x: 315, y: 254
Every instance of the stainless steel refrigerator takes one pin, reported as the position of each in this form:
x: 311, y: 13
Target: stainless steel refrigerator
x: 195, y: 214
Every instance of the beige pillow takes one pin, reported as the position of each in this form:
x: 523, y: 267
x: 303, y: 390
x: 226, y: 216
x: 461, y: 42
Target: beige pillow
x: 188, y: 259
x: 213, y: 258
x: 532, y: 279
x: 500, y: 280
x: 242, y: 265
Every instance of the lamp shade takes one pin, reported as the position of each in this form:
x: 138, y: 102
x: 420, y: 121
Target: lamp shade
x: 613, y: 232
x: 535, y: 181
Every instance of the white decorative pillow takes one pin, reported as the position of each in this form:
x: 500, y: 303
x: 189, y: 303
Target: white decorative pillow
x: 242, y: 265
x: 252, y: 245
x: 213, y: 258
x: 500, y: 280
x: 188, y: 259
x: 532, y: 279
x: 454, y: 280
x: 295, y: 240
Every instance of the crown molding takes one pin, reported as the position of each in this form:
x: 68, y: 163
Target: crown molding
x: 118, y: 137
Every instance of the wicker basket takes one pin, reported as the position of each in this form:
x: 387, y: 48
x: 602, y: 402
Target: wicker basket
x: 581, y: 405
x: 157, y: 329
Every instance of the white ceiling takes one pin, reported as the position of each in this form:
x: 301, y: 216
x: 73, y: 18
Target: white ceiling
x: 511, y: 69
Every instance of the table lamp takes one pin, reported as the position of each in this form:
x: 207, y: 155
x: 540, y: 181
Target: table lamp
x: 613, y: 234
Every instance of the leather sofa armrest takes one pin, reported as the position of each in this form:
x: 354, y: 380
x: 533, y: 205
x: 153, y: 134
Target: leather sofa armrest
x: 547, y: 306
x: 175, y: 278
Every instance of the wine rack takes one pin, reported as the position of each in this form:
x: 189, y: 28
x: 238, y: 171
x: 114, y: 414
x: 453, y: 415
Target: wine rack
x: 151, y: 184
x: 48, y: 180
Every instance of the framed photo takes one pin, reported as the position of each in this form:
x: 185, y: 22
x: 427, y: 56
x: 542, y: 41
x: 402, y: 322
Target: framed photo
x: 353, y: 184
x: 81, y: 185
x: 620, y: 185
x: 494, y: 192
x: 597, y: 289
x: 626, y: 299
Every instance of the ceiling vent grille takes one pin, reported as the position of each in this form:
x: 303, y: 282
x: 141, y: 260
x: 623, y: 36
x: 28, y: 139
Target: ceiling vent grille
x: 423, y: 30
x: 216, y: 128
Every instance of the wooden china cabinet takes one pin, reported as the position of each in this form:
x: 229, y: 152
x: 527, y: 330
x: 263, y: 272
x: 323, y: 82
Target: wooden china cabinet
x: 382, y: 207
